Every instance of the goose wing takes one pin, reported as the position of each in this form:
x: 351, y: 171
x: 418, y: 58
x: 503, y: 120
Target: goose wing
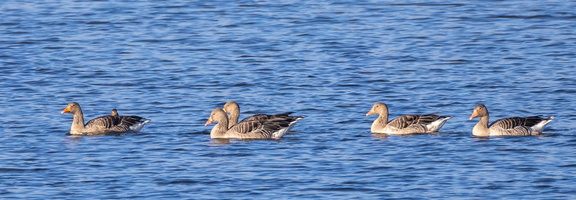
x: 519, y: 125
x: 103, y: 122
x: 429, y: 118
x: 419, y: 123
x: 115, y: 123
x: 252, y: 129
x: 273, y: 128
x: 260, y: 117
x: 511, y: 122
x: 405, y: 121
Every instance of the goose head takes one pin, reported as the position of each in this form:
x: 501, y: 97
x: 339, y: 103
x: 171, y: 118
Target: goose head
x: 231, y: 107
x: 479, y: 111
x: 378, y: 109
x: 114, y: 112
x: 71, y: 108
x: 217, y: 115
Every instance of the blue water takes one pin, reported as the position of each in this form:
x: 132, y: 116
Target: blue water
x: 174, y: 61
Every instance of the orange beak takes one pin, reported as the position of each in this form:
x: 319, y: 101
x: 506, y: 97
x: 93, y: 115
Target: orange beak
x: 369, y: 113
x: 66, y: 110
x: 474, y: 115
x: 208, y: 122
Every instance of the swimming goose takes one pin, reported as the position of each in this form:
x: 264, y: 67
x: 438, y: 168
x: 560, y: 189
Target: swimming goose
x: 518, y: 126
x: 104, y: 124
x: 406, y: 124
x: 255, y: 129
x: 114, y: 112
x: 233, y: 109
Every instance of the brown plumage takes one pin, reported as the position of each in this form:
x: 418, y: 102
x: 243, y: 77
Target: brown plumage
x: 255, y: 129
x: 233, y: 109
x: 102, y: 125
x: 406, y: 124
x: 516, y: 126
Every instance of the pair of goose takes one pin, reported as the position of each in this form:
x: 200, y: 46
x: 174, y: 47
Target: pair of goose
x: 409, y: 124
x: 264, y: 126
x: 259, y: 126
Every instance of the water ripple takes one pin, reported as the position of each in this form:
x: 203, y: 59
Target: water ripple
x: 329, y: 61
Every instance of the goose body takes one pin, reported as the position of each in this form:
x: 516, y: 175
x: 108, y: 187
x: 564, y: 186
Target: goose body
x: 102, y: 125
x: 254, y: 129
x: 514, y: 126
x: 406, y: 124
x: 233, y: 109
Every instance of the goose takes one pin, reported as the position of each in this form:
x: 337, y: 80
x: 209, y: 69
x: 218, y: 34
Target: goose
x: 114, y: 112
x: 518, y: 126
x: 233, y: 109
x: 406, y: 124
x: 104, y: 124
x: 255, y: 129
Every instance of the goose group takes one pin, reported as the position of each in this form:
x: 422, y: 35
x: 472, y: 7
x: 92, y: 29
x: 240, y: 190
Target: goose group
x: 275, y: 126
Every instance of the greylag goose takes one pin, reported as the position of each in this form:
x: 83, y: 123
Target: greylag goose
x: 518, y: 126
x: 104, y: 124
x: 406, y: 124
x: 233, y: 109
x: 114, y: 112
x: 255, y: 129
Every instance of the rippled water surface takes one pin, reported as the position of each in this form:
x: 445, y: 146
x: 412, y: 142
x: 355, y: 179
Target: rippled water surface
x: 174, y: 61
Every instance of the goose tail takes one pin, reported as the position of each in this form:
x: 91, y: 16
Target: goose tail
x: 139, y: 125
x: 437, y: 125
x: 280, y: 133
x: 540, y: 125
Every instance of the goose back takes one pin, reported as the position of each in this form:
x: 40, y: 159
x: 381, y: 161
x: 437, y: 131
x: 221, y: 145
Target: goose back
x: 512, y: 122
x: 233, y: 109
x: 408, y: 120
x: 270, y: 128
x: 258, y: 129
x: 260, y: 117
x: 116, y: 123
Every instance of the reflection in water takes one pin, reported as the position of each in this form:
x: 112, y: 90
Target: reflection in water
x: 222, y: 141
x: 225, y: 141
x: 384, y: 135
x: 117, y: 134
x: 73, y: 141
x: 380, y: 135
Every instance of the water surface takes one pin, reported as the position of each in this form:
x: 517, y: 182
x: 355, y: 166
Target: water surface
x: 174, y: 61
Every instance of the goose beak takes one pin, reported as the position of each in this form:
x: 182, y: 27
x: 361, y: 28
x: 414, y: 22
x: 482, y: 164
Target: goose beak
x: 474, y: 115
x: 369, y: 113
x: 208, y: 122
x: 66, y: 110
